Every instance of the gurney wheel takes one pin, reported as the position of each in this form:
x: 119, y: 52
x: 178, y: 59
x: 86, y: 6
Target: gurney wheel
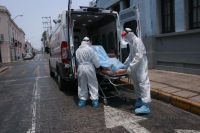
x: 124, y: 98
x: 105, y: 101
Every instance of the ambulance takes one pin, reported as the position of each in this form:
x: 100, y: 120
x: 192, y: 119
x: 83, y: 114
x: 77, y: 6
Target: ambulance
x: 102, y: 26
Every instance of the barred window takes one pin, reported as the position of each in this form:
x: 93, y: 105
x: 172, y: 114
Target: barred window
x: 117, y: 8
x: 194, y: 10
x: 168, y: 16
x: 127, y: 3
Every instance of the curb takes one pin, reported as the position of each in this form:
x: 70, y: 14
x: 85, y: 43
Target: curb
x: 4, y: 69
x: 180, y: 102
x: 11, y: 61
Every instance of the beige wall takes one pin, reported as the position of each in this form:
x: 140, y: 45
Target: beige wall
x: 10, y: 30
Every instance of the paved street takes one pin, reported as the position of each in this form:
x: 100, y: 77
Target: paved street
x: 30, y: 102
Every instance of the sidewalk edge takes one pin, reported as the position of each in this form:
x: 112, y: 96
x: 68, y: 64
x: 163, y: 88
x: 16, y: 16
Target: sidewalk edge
x: 180, y: 102
x: 4, y: 69
x: 11, y: 61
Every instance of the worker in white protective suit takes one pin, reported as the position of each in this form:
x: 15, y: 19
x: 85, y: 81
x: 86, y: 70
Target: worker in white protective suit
x: 87, y: 59
x: 138, y: 70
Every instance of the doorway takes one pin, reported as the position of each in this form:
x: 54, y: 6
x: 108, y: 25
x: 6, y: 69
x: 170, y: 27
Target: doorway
x: 13, y: 53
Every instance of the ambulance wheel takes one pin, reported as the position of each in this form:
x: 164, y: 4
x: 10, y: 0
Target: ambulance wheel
x: 105, y: 101
x: 124, y: 98
x: 61, y: 83
x: 52, y: 74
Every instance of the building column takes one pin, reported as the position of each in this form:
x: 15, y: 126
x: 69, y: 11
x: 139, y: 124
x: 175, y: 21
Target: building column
x: 180, y: 22
x: 132, y: 2
x: 121, y: 4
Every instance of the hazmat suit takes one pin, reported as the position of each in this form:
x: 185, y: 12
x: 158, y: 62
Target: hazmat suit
x: 87, y: 59
x: 138, y: 71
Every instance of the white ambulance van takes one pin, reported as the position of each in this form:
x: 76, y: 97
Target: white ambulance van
x: 103, y: 27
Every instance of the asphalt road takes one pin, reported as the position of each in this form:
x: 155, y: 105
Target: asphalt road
x: 30, y: 102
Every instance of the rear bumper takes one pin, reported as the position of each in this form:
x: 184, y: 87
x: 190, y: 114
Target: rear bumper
x: 65, y: 73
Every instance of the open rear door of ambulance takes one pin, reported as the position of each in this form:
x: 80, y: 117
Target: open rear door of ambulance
x: 70, y: 40
x: 129, y: 18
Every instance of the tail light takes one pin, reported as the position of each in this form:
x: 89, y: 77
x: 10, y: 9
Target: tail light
x: 64, y: 52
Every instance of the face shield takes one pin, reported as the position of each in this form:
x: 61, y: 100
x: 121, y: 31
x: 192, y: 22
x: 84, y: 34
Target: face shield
x: 127, y: 35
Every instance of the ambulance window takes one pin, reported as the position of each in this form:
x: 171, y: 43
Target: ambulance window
x: 132, y: 25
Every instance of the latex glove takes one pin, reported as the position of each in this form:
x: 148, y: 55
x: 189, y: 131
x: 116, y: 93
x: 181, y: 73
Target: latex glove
x: 129, y: 70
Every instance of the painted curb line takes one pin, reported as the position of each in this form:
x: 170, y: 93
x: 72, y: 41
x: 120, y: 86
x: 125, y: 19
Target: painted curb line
x: 180, y: 102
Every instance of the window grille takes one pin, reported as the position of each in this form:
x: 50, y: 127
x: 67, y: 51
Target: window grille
x: 168, y: 16
x: 194, y: 11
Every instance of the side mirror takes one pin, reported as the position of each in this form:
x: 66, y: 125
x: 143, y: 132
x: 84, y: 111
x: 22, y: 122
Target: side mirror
x: 59, y: 20
x: 54, y: 21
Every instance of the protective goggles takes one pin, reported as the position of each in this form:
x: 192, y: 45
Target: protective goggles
x: 124, y: 33
x: 86, y: 40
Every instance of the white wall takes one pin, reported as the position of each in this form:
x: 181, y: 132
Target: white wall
x: 5, y: 52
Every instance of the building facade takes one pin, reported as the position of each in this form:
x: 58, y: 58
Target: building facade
x: 170, y: 31
x: 28, y: 47
x: 12, y: 37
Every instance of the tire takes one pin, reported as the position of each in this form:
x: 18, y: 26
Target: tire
x: 124, y: 98
x: 52, y: 74
x: 61, y: 83
x: 105, y: 102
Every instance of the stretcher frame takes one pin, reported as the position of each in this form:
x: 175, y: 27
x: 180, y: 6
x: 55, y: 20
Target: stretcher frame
x: 109, y: 80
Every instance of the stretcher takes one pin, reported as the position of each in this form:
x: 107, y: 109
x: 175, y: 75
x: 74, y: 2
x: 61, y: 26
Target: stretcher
x: 111, y: 79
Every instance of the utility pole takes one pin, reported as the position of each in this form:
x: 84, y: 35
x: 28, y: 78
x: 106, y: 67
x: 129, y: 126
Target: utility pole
x: 47, y: 24
x: 47, y: 27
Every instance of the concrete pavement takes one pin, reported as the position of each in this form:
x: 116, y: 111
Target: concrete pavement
x: 178, y: 89
x: 2, y: 68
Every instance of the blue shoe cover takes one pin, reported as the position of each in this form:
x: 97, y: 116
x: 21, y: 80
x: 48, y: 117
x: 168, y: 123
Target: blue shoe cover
x: 95, y: 103
x: 82, y: 103
x: 138, y: 103
x: 144, y: 109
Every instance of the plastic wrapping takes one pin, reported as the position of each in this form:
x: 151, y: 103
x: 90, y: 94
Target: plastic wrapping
x: 112, y: 64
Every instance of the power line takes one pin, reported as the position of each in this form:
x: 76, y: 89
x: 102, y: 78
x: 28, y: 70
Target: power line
x: 43, y: 7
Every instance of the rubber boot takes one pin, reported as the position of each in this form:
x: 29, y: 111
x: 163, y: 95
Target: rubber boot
x: 95, y: 103
x: 144, y: 109
x: 138, y: 103
x: 81, y: 103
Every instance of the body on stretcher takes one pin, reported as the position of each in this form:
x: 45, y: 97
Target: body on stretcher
x: 111, y: 79
x: 113, y: 71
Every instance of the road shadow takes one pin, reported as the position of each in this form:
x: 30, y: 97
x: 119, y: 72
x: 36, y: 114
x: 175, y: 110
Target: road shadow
x: 115, y: 102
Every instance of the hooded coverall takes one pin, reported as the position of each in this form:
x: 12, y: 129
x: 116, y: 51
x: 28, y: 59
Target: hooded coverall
x: 138, y: 67
x: 87, y: 59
